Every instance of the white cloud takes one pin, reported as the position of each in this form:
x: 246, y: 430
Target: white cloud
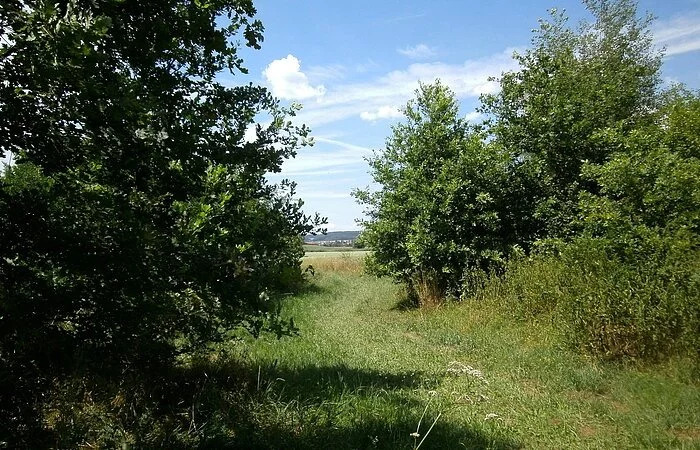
x: 345, y: 100
x: 332, y: 72
x: 473, y: 116
x: 6, y: 160
x: 383, y: 112
x: 420, y: 51
x: 251, y: 134
x: 287, y: 81
x: 322, y: 194
x: 343, y: 145
x: 679, y: 35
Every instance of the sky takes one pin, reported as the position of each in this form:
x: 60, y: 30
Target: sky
x: 353, y: 65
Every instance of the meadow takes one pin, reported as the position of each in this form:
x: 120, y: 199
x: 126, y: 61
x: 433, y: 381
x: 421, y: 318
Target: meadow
x: 365, y: 372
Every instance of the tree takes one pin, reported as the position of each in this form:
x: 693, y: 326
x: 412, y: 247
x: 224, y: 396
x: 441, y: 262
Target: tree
x: 639, y: 244
x: 438, y: 213
x: 572, y: 85
x: 137, y: 221
x: 612, y: 166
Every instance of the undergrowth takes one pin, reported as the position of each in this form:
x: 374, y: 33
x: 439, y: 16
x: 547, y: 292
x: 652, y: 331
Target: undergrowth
x: 367, y: 371
x: 608, y: 308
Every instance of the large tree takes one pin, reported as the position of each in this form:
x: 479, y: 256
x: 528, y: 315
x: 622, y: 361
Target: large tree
x: 136, y: 220
x: 572, y: 85
x: 440, y: 209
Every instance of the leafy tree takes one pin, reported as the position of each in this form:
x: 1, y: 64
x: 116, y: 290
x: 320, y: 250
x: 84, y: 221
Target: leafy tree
x: 645, y: 219
x: 137, y: 221
x: 613, y: 168
x: 438, y: 213
x: 571, y: 85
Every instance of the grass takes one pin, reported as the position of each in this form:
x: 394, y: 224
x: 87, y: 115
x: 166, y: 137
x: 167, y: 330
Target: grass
x: 337, y: 261
x: 364, y: 373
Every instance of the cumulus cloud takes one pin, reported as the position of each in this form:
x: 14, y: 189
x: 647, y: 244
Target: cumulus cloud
x: 679, y: 35
x: 383, y: 112
x: 420, y: 51
x: 288, y: 82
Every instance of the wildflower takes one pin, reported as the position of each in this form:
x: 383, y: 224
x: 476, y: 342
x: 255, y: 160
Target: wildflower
x: 457, y: 368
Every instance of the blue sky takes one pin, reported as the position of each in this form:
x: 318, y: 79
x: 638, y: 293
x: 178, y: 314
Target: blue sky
x: 353, y: 64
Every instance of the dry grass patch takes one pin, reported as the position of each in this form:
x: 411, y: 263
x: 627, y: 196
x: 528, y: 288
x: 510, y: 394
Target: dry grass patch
x: 344, y: 262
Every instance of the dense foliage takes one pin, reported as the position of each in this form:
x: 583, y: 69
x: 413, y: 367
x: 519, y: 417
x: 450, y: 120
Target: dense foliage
x: 136, y: 220
x: 572, y: 85
x: 440, y: 211
x: 583, y: 159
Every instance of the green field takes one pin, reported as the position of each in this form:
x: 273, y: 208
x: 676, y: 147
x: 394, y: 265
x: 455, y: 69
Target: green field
x: 365, y: 373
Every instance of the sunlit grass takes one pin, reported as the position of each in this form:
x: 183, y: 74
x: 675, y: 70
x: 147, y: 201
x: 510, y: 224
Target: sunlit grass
x: 340, y: 261
x: 362, y: 372
x: 366, y: 373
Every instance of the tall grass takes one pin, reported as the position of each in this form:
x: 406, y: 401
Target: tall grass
x: 366, y: 373
x: 604, y: 306
x: 343, y: 262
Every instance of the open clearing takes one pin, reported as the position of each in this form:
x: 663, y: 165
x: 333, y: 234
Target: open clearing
x: 366, y: 374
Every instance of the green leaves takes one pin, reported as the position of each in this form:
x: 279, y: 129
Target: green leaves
x: 439, y: 211
x: 137, y: 221
x: 573, y: 84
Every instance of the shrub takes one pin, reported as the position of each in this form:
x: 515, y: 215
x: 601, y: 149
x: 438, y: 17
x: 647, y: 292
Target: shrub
x: 442, y: 208
x: 605, y: 306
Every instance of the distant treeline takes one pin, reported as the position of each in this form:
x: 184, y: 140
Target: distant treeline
x: 333, y: 236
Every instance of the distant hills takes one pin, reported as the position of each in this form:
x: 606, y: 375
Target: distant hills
x: 333, y: 236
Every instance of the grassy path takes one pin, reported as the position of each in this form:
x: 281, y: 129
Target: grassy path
x: 363, y: 373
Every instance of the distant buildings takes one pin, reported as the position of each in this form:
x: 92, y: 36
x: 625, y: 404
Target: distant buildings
x: 333, y: 243
x: 333, y: 239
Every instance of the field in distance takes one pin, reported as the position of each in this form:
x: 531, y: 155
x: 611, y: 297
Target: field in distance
x: 328, y: 249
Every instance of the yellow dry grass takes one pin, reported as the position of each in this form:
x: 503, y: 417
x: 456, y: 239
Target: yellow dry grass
x: 346, y: 262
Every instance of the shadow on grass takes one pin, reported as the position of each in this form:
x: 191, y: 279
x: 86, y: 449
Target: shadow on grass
x: 370, y: 433
x: 405, y: 304
x: 311, y: 382
x: 336, y: 407
x: 220, y: 403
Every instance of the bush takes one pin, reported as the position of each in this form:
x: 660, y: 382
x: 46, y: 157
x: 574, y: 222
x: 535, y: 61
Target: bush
x: 137, y: 219
x: 605, y: 306
x: 643, y: 310
x: 442, y: 209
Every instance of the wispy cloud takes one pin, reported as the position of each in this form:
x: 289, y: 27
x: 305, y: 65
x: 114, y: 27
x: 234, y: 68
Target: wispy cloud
x: 473, y: 116
x: 383, y: 112
x: 309, y: 194
x: 420, y: 51
x: 332, y: 72
x: 371, y: 100
x: 328, y: 156
x: 678, y: 35
x: 343, y: 145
